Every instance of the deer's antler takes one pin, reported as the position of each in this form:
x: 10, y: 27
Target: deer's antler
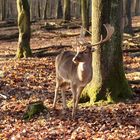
x: 109, y: 30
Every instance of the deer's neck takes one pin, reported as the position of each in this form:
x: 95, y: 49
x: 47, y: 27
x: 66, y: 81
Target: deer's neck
x: 83, y: 70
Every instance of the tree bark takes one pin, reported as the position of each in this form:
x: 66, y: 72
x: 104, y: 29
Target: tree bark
x: 109, y: 82
x: 24, y: 29
x: 66, y: 12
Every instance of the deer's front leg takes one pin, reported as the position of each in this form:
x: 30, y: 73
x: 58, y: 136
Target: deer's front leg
x: 79, y: 90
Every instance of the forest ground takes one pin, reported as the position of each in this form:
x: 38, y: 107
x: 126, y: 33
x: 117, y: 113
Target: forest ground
x: 27, y: 80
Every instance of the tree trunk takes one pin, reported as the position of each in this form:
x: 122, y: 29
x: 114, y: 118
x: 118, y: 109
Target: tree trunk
x: 3, y: 5
x: 24, y: 29
x: 137, y: 9
x: 128, y: 25
x: 31, y: 10
x: 45, y: 10
x: 133, y: 6
x: 66, y: 13
x: 85, y: 16
x: 78, y: 9
x: 39, y: 10
x: 48, y: 9
x: 59, y: 11
x: 108, y: 82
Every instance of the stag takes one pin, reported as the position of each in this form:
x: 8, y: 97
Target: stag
x: 75, y: 68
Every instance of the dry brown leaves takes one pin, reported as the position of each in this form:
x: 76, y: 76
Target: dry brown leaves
x: 26, y: 80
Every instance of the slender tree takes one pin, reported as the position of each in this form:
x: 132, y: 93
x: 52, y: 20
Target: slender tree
x: 39, y: 9
x: 78, y: 9
x: 133, y: 6
x: 137, y: 9
x: 45, y: 9
x: 128, y: 24
x: 3, y: 7
x: 66, y: 12
x: 109, y: 82
x: 24, y: 29
x: 85, y: 15
x: 59, y: 10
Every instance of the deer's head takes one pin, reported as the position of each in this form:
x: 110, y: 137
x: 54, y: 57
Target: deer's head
x: 85, y: 49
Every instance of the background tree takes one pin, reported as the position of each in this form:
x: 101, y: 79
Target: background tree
x: 39, y: 9
x: 66, y: 10
x: 45, y: 10
x: 85, y: 15
x: 59, y: 10
x: 137, y: 9
x: 24, y: 29
x: 3, y: 7
x: 78, y: 9
x: 128, y: 18
x: 109, y: 82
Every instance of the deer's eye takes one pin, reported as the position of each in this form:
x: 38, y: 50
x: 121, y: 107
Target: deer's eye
x: 85, y: 52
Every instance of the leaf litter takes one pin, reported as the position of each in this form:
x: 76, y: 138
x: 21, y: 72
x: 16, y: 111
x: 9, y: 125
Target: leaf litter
x: 33, y: 79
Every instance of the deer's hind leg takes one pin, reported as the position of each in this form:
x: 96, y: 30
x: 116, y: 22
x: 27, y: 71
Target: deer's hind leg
x: 63, y: 99
x: 79, y: 90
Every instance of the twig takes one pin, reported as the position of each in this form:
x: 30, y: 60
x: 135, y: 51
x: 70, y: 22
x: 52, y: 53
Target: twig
x: 5, y: 97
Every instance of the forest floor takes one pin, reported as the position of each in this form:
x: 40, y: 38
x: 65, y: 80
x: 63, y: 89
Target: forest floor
x: 27, y: 80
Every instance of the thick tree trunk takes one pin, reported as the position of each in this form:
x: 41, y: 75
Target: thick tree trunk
x: 108, y: 82
x: 24, y: 29
x: 66, y: 12
x: 85, y: 15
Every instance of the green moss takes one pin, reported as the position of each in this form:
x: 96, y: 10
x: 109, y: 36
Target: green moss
x: 24, y: 52
x: 33, y: 108
x: 70, y: 103
x: 19, y: 53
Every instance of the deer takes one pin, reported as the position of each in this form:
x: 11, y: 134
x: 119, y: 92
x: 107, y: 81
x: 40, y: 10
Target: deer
x: 75, y: 68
